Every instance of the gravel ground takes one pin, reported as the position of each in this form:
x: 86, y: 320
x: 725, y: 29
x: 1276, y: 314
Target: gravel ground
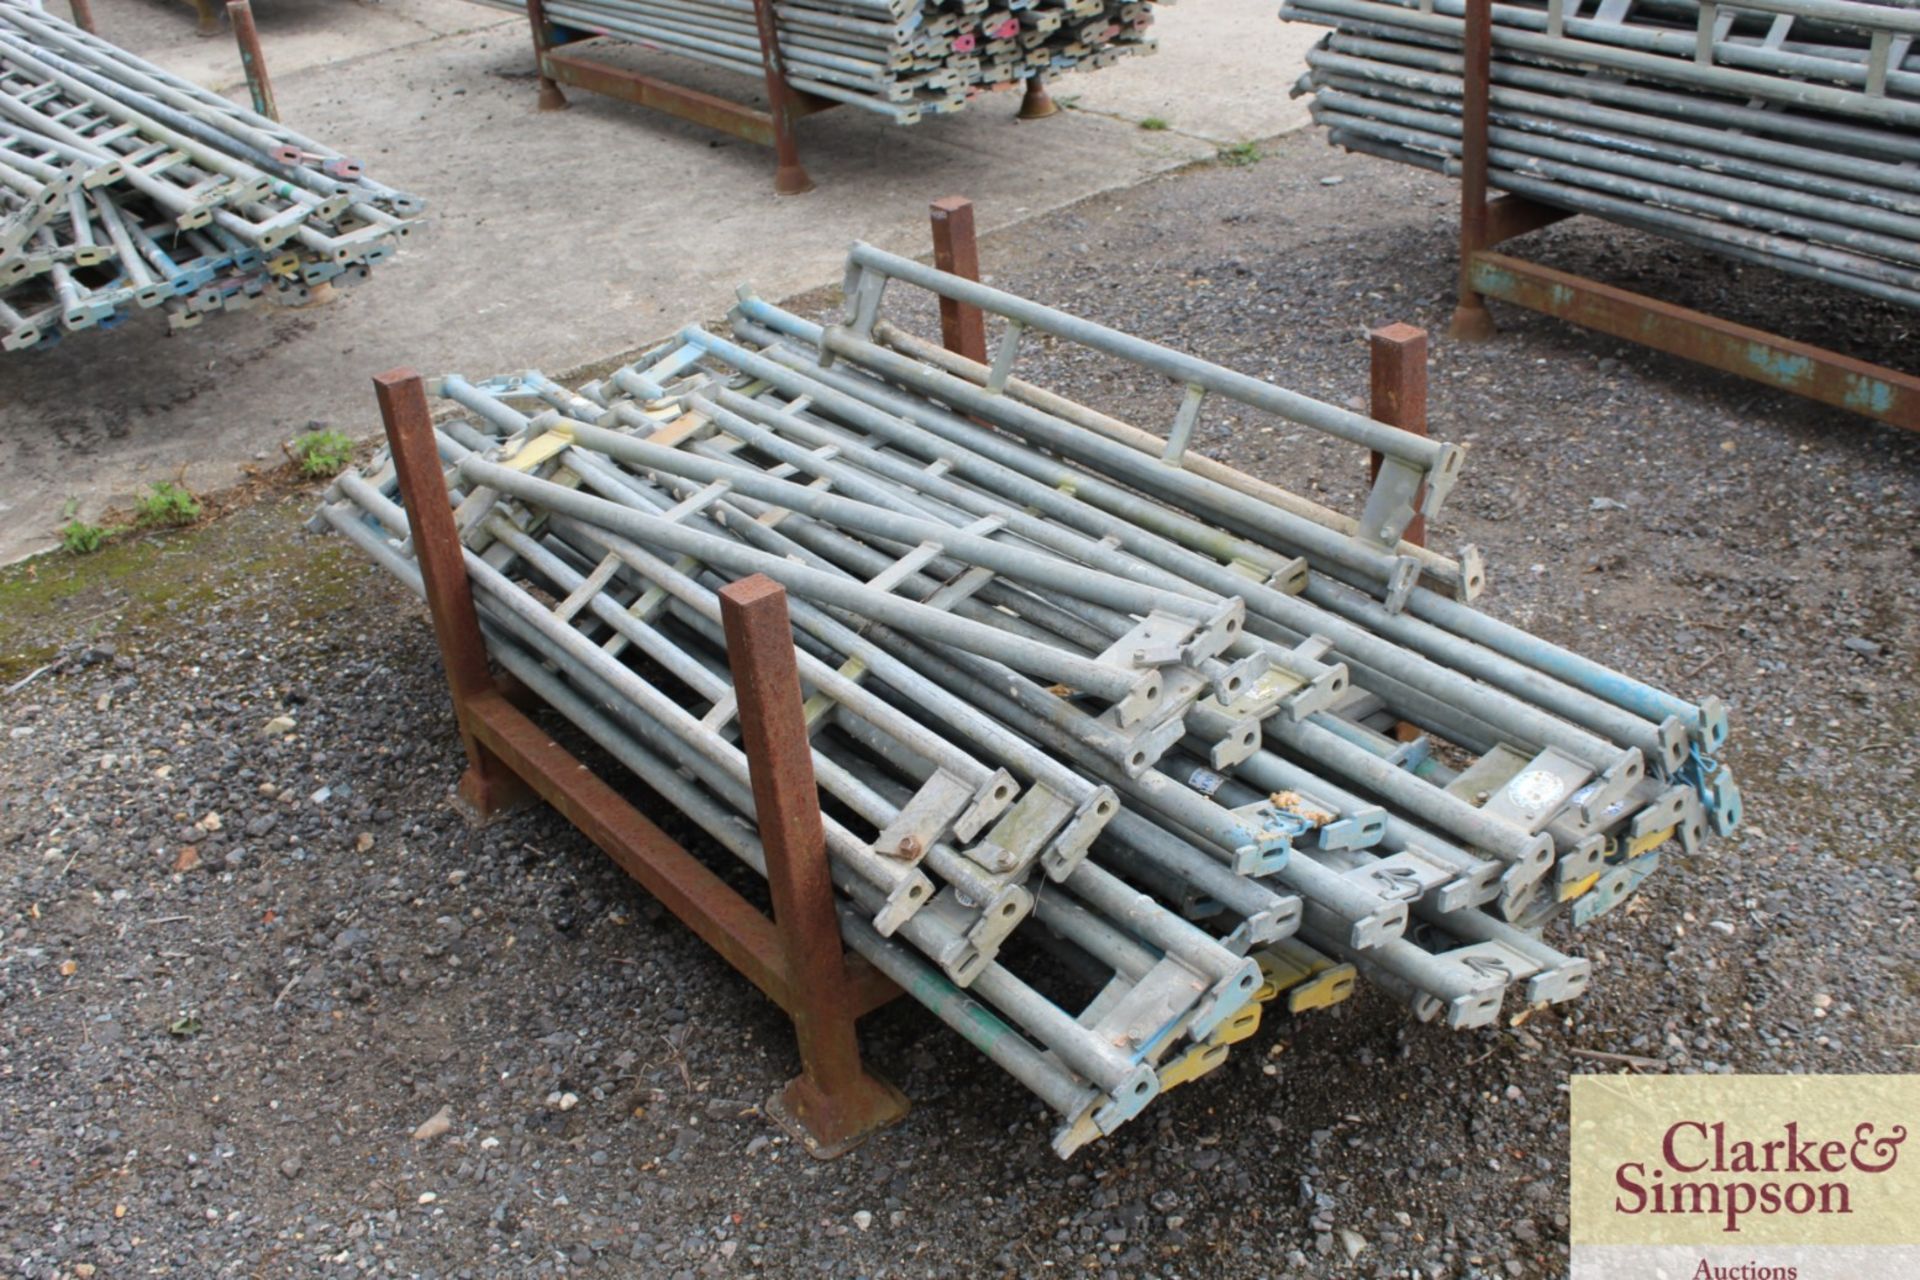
x: 249, y: 949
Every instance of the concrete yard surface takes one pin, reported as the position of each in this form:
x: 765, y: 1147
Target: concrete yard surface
x: 297, y: 35
x: 557, y: 240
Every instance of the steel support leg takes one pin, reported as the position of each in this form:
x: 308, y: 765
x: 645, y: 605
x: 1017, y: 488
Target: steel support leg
x: 963, y: 329
x: 488, y: 785
x: 82, y: 14
x: 551, y: 99
x: 789, y: 178
x: 1472, y: 322
x: 1399, y: 386
x: 1037, y: 104
x: 834, y: 1103
x: 252, y: 60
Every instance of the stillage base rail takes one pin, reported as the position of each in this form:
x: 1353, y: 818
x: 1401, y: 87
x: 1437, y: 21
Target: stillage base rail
x: 1873, y: 391
x: 561, y: 61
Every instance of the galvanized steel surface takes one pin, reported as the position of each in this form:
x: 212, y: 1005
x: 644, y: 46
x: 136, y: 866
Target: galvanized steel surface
x: 1103, y: 768
x: 1782, y: 134
x: 123, y: 186
x: 901, y: 58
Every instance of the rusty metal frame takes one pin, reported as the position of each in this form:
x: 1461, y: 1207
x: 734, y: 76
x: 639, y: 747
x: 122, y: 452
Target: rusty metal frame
x: 252, y: 59
x: 796, y: 957
x: 963, y: 329
x: 1873, y: 391
x: 1397, y: 381
x: 571, y: 62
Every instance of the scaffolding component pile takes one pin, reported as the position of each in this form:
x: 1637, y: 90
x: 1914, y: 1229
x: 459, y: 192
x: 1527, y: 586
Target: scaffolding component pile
x: 1780, y: 132
x: 124, y: 187
x: 1114, y: 744
x: 901, y: 58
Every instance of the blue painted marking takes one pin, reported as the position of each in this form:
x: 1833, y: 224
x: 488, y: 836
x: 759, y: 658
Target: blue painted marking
x: 1779, y: 367
x: 1868, y: 395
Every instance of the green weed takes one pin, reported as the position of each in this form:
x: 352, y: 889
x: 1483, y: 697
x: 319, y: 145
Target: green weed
x: 82, y: 539
x: 321, y: 454
x: 166, y: 503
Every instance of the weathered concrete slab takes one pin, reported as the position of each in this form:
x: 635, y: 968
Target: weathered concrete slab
x: 297, y: 34
x: 553, y: 240
x: 1222, y: 74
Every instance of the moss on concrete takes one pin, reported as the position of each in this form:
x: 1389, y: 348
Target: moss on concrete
x: 153, y: 582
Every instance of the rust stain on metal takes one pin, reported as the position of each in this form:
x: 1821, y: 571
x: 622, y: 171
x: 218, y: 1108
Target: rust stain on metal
x: 1828, y: 377
x: 1818, y: 374
x: 956, y: 249
x: 570, y: 65
x: 1398, y: 377
x: 487, y: 785
x: 797, y: 961
x: 252, y: 60
x: 834, y: 1099
x: 724, y: 919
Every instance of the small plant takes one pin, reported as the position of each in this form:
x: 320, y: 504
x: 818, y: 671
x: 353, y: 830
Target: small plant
x: 1153, y: 124
x: 321, y: 454
x: 167, y: 503
x: 82, y: 539
x: 1240, y: 154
